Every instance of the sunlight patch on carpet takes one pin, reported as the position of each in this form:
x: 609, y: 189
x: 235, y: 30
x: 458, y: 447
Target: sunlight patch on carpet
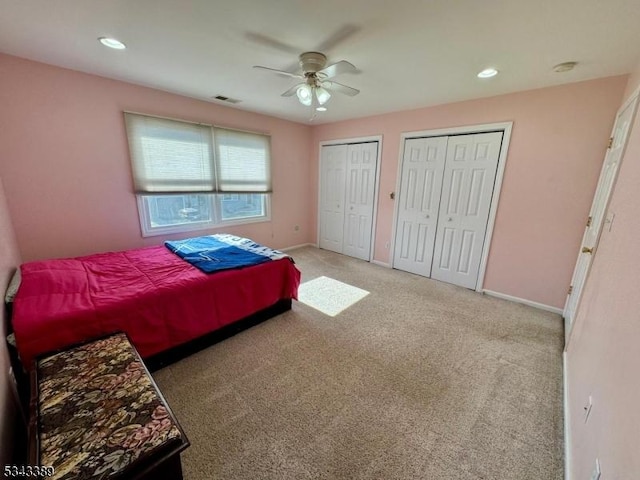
x: 329, y: 296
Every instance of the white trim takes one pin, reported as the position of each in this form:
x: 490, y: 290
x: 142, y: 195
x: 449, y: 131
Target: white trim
x: 382, y: 264
x: 567, y: 432
x: 376, y: 190
x: 497, y: 187
x: 463, y: 130
x: 293, y: 247
x: 347, y: 141
x: 523, y: 301
x: 396, y: 199
x: 319, y: 199
x: 506, y: 128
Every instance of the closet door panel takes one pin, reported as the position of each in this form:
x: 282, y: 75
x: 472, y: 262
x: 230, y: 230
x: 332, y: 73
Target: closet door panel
x: 360, y: 193
x: 332, y: 196
x: 469, y: 175
x: 419, y: 200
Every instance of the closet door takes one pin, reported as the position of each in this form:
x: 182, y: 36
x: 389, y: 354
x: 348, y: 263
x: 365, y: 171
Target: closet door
x: 469, y: 176
x: 358, y: 220
x: 333, y: 161
x: 422, y: 170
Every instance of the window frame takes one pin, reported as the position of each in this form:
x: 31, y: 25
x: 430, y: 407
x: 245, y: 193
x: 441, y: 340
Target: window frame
x: 217, y: 192
x: 216, y: 221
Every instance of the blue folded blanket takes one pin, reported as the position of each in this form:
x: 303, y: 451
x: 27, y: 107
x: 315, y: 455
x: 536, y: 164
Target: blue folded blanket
x: 210, y: 254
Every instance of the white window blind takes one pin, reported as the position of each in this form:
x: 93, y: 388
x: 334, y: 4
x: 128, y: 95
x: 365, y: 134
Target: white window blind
x: 242, y: 161
x: 170, y: 156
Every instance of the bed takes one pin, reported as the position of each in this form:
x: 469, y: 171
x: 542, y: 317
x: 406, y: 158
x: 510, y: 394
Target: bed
x: 160, y: 300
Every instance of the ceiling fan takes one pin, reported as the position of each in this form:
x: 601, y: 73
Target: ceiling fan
x: 317, y: 84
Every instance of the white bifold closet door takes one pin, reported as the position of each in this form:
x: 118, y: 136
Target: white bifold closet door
x: 359, y: 193
x: 332, y: 185
x: 421, y: 184
x: 445, y: 196
x: 469, y: 176
x: 347, y: 178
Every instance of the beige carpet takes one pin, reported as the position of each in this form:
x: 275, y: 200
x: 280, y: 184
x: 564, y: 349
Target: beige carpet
x: 415, y: 380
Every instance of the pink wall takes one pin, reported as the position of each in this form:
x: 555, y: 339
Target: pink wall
x: 9, y: 260
x: 633, y: 83
x: 603, y: 355
x: 557, y: 146
x: 67, y: 174
x: 65, y: 161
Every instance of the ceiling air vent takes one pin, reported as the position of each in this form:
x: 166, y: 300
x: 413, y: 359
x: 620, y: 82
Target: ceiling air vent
x: 222, y: 98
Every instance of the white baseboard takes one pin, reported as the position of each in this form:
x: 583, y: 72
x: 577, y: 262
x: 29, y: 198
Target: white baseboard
x: 524, y: 301
x: 565, y: 403
x: 297, y: 246
x: 382, y: 264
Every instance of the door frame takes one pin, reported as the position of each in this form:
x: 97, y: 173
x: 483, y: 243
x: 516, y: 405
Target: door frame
x: 347, y: 141
x: 634, y: 101
x: 505, y: 128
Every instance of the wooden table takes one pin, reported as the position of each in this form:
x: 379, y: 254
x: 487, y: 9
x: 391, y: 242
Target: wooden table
x: 96, y: 413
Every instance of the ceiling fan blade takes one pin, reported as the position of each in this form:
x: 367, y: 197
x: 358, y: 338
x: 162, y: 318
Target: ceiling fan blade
x: 338, y: 68
x: 292, y: 91
x: 337, y: 37
x: 338, y: 87
x: 271, y: 42
x: 279, y: 72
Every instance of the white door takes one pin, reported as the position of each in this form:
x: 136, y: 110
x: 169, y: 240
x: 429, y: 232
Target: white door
x: 333, y: 161
x: 469, y: 175
x: 598, y: 208
x: 419, y: 200
x: 358, y: 220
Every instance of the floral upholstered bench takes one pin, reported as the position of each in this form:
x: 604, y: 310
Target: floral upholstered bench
x: 96, y: 413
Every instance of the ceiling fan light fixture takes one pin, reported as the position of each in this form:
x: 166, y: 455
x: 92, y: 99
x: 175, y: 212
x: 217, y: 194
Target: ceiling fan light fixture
x: 321, y: 109
x: 305, y: 95
x: 322, y: 95
x: 315, y: 86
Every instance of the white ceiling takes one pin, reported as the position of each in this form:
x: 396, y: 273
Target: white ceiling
x: 410, y: 53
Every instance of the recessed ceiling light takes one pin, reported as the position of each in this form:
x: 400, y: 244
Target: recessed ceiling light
x: 564, y: 67
x: 488, y: 73
x: 321, y: 109
x: 112, y: 43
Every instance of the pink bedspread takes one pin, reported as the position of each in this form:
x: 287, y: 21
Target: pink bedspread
x: 158, y: 299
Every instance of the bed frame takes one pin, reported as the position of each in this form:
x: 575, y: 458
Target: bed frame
x: 172, y: 355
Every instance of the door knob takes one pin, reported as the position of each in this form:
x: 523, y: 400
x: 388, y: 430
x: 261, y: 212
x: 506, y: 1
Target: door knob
x: 587, y: 250
x: 352, y: 208
x: 449, y: 219
x: 426, y: 216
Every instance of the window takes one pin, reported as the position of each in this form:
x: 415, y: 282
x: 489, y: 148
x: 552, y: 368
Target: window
x: 190, y: 176
x: 242, y: 206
